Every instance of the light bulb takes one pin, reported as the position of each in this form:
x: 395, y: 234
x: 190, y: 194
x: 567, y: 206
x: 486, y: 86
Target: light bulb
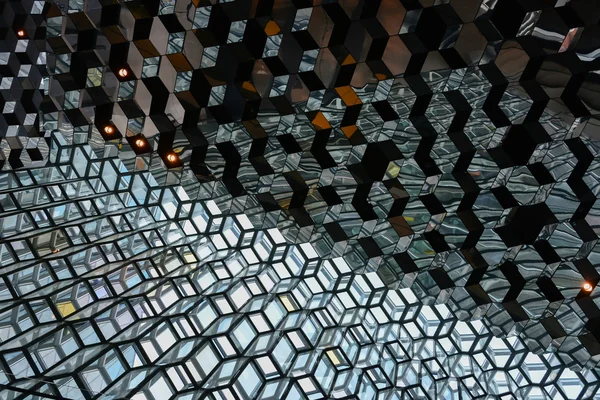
x: 123, y: 72
x: 587, y: 287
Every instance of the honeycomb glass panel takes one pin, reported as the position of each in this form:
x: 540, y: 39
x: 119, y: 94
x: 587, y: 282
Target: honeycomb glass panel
x: 300, y: 199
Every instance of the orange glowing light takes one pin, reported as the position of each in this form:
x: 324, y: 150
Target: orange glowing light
x: 21, y: 33
x: 172, y: 157
x: 587, y: 287
x: 109, y: 130
x: 123, y: 72
x: 140, y: 143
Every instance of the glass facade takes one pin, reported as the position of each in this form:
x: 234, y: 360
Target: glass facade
x: 124, y: 282
x: 299, y: 199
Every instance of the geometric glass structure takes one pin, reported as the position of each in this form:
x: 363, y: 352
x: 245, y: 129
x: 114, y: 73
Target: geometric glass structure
x: 296, y: 199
